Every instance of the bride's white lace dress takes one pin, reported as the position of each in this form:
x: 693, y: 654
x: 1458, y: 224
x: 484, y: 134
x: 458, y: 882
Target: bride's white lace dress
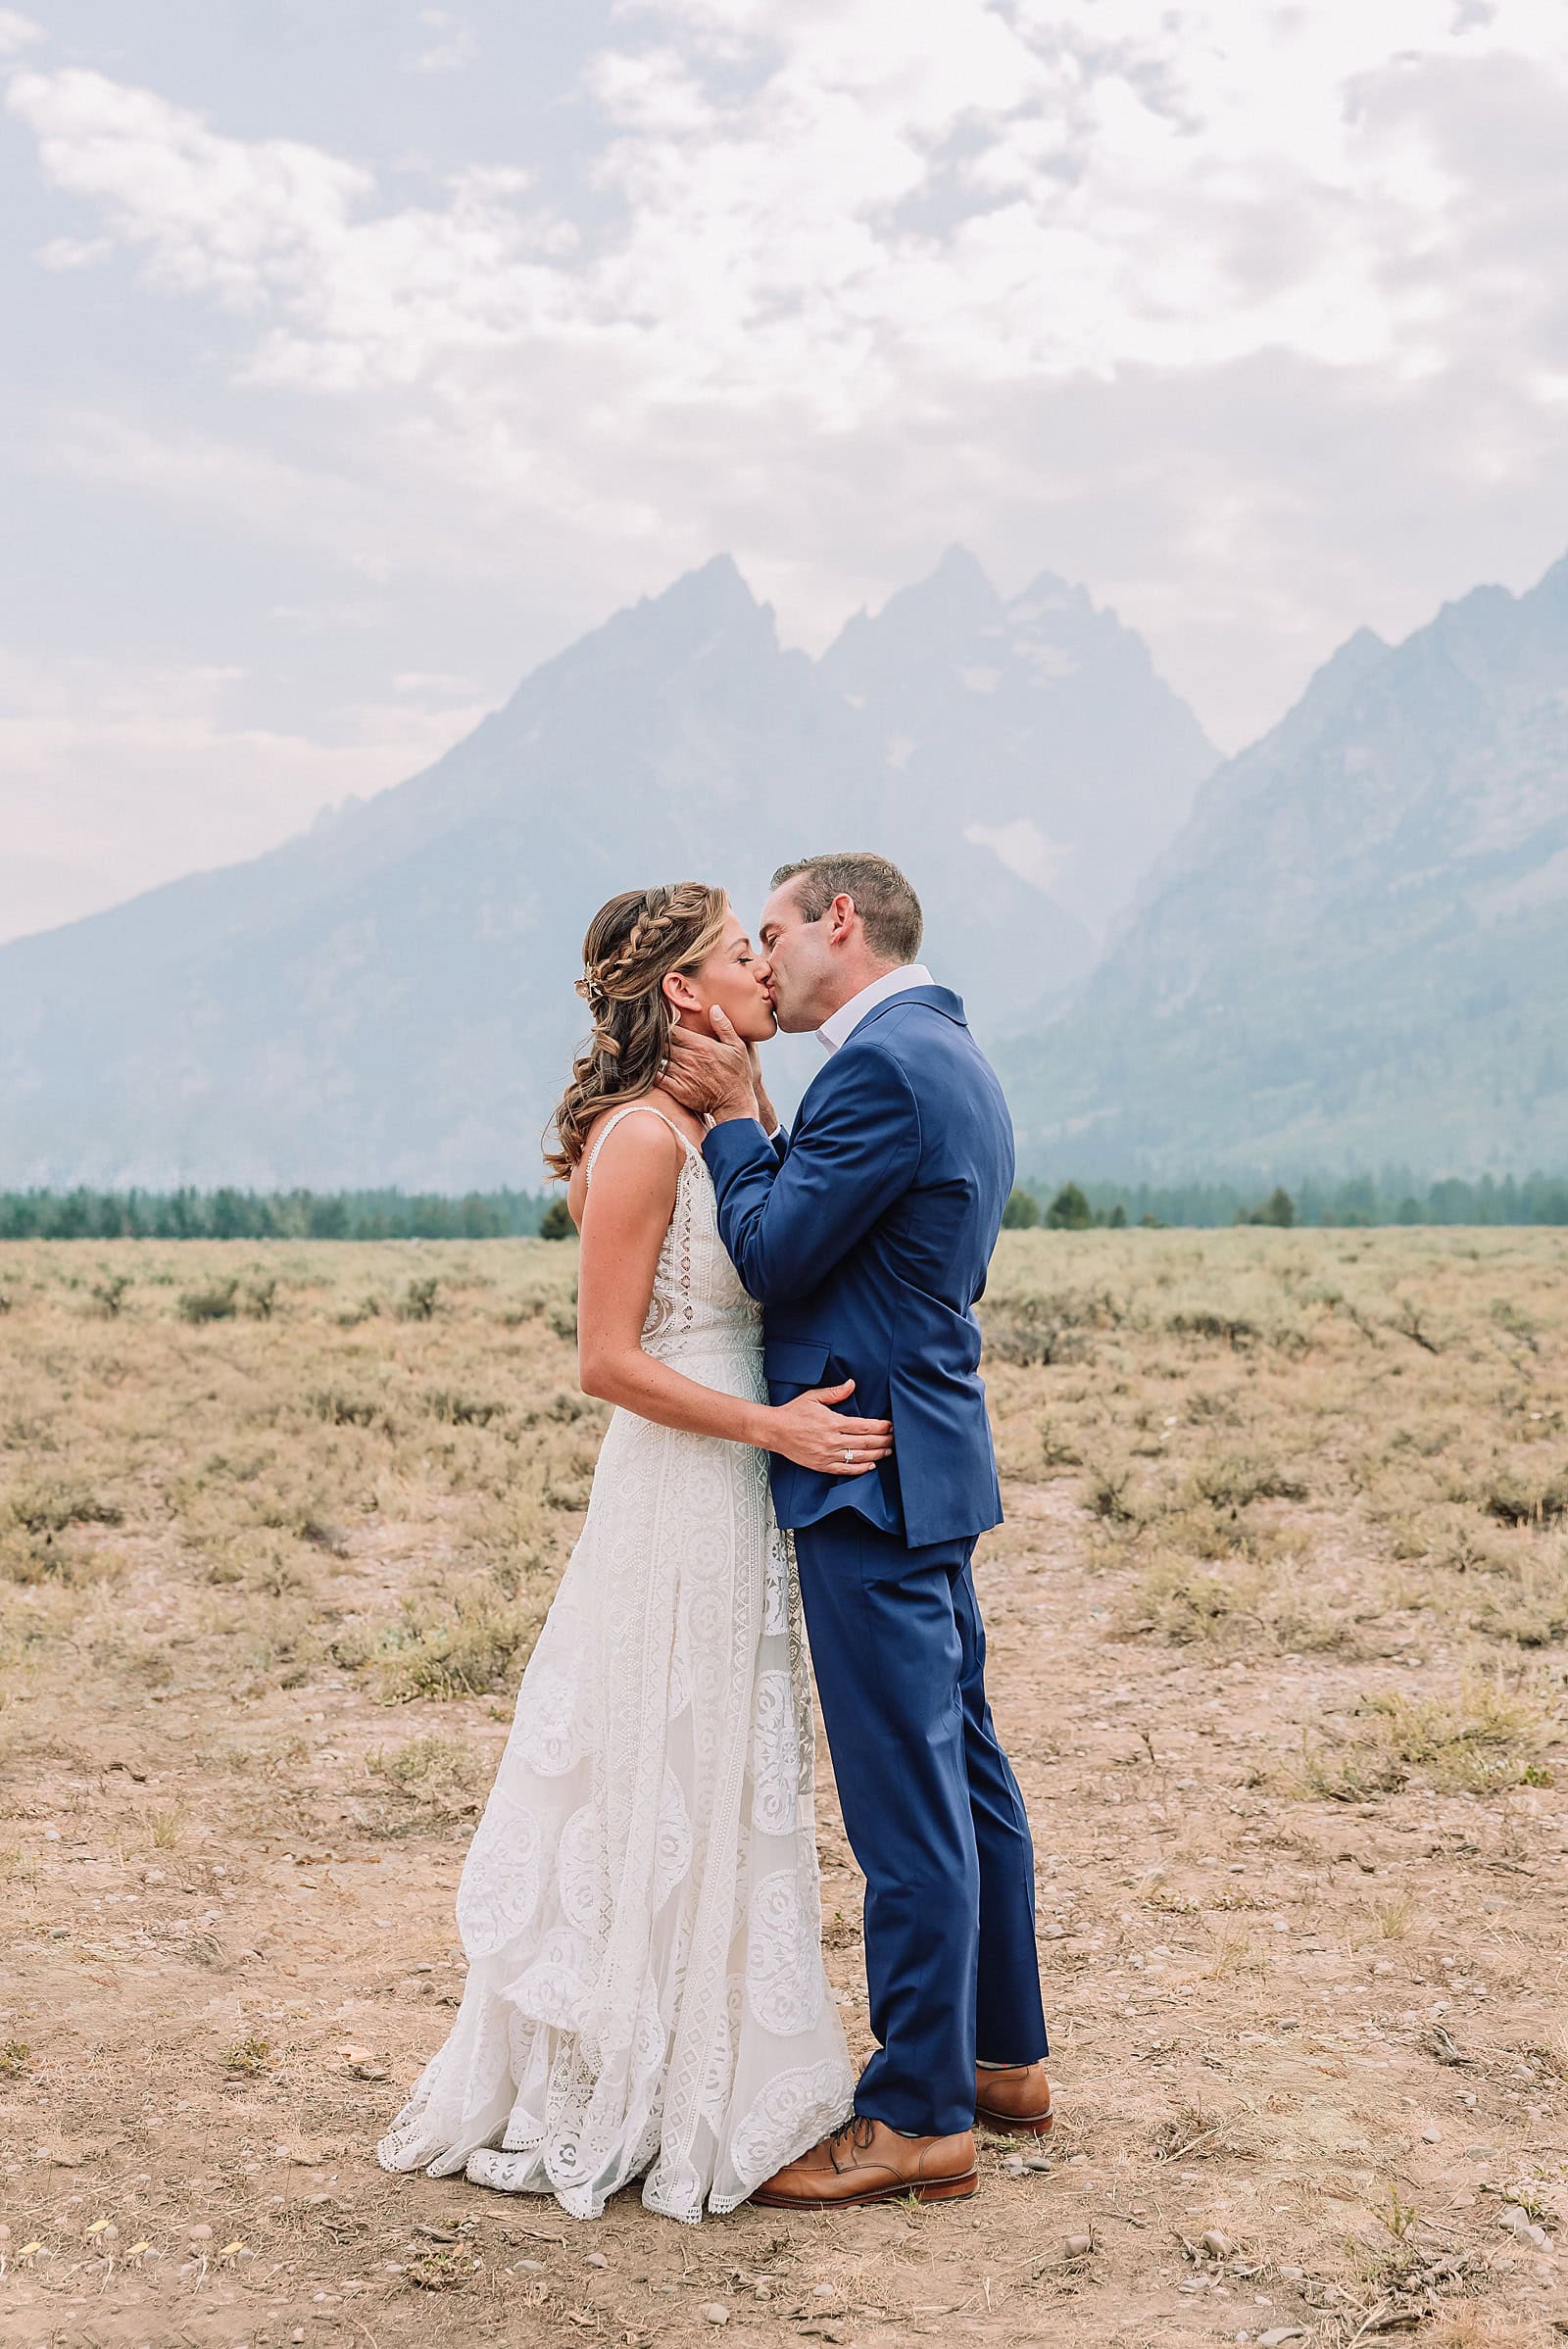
x: 639, y: 1906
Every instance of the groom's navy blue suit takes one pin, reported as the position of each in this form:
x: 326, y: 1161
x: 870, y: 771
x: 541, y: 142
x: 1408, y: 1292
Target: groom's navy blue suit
x: 867, y: 1239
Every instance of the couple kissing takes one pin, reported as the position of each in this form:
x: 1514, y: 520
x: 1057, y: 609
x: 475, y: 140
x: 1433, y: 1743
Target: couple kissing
x: 798, y: 1448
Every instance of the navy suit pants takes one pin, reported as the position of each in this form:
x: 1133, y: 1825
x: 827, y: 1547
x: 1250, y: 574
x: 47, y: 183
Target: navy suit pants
x: 933, y: 1815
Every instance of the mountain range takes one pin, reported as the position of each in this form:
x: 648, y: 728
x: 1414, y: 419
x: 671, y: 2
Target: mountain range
x: 1355, y: 952
x: 1341, y: 948
x: 388, y: 998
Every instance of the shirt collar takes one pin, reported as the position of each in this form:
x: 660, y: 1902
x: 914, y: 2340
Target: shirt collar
x: 848, y: 1018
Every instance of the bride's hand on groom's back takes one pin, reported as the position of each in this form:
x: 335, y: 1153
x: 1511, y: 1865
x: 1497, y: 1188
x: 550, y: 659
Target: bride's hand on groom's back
x: 808, y: 1432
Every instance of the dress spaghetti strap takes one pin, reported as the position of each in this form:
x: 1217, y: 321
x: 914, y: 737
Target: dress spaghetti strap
x: 631, y: 1111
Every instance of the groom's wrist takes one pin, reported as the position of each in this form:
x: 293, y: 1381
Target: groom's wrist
x: 726, y: 1111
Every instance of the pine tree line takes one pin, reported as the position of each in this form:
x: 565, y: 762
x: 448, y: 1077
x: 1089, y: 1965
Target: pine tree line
x: 232, y: 1214
x: 1201, y: 1203
x: 1349, y: 1201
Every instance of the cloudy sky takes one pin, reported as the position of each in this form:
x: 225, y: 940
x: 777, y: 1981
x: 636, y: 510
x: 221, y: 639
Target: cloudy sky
x: 362, y: 354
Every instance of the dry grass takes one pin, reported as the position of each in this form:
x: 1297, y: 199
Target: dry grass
x: 1277, y: 1634
x: 1479, y: 1739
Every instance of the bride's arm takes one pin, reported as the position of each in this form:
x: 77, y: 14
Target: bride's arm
x: 625, y: 1215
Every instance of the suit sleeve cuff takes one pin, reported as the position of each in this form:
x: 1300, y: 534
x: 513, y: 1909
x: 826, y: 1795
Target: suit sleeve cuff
x: 739, y: 1141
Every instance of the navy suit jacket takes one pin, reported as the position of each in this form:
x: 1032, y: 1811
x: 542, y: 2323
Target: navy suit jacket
x: 866, y: 1240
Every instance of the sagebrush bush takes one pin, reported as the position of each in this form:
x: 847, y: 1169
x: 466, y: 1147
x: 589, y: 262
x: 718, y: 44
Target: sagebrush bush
x: 1478, y: 1741
x: 468, y: 1642
x: 218, y: 1301
x: 436, y: 1776
x: 1235, y: 1480
x: 463, y: 1410
x: 1518, y: 1496
x: 49, y: 1504
x: 340, y: 1410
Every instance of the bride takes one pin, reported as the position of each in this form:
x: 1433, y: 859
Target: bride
x: 639, y: 1906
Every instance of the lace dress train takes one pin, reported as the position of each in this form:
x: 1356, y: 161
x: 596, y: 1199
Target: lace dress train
x: 639, y: 1907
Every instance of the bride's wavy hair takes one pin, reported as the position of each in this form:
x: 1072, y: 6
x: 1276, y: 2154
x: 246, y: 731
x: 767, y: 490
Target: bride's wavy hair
x: 632, y: 945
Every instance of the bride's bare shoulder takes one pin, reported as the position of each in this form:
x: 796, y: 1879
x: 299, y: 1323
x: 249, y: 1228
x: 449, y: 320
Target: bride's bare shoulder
x: 637, y: 1154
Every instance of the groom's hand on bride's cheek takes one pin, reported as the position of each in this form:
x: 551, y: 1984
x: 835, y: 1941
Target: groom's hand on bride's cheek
x: 712, y: 1074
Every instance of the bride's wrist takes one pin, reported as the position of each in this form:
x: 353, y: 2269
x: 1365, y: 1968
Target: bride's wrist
x: 759, y: 1426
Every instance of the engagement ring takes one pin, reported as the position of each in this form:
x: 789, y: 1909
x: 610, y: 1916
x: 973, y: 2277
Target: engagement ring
x: 848, y: 1455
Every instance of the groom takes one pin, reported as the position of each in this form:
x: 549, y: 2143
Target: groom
x: 866, y: 1238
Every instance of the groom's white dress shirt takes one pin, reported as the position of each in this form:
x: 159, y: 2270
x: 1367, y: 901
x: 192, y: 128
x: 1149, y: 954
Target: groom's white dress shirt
x: 848, y: 1018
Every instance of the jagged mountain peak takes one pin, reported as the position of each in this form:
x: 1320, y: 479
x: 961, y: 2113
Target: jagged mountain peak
x: 1056, y: 628
x: 1352, y: 953
x: 1328, y: 693
x: 1504, y: 634
x: 714, y: 590
x: 958, y: 572
x: 714, y: 601
x: 1048, y: 592
x: 707, y: 613
x: 388, y: 998
x: 1335, y: 680
x: 954, y: 602
x: 1078, y: 761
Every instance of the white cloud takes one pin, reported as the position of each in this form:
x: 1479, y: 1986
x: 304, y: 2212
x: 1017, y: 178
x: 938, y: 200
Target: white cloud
x: 75, y: 252
x: 452, y: 48
x: 17, y: 33
x: 1180, y: 196
x: 1224, y: 306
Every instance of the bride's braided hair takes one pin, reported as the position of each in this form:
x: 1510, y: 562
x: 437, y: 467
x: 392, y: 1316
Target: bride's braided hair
x: 632, y: 945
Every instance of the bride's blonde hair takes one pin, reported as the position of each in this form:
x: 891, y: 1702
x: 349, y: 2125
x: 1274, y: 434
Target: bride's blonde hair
x: 632, y: 945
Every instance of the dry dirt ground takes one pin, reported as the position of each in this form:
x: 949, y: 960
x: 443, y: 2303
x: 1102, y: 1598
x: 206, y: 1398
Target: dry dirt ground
x: 1278, y: 1629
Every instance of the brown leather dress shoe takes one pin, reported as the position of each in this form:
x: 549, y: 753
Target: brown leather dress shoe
x: 866, y: 2161
x: 1017, y: 2101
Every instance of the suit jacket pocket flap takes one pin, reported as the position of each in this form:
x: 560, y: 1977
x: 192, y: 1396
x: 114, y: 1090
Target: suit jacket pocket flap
x: 795, y: 1361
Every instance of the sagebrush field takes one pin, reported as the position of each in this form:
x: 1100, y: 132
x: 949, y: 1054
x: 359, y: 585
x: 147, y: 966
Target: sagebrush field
x: 1279, y: 1626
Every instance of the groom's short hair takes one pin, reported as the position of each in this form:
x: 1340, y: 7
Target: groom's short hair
x: 883, y: 898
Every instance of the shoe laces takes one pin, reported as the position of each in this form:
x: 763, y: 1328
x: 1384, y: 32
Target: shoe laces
x: 855, y: 2132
